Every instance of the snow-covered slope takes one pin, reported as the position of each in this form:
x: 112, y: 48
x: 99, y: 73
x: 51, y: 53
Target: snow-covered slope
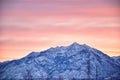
x: 117, y: 59
x: 72, y: 62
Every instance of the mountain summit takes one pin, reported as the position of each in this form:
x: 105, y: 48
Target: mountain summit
x: 74, y: 62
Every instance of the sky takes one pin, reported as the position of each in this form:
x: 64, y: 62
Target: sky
x: 36, y: 25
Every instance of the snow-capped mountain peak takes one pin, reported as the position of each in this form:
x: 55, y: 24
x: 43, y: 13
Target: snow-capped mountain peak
x: 75, y: 44
x: 71, y: 62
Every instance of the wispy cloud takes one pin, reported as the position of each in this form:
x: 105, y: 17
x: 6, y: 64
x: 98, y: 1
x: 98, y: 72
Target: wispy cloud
x: 33, y: 25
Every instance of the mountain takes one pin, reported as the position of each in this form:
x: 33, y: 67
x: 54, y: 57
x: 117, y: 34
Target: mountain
x: 74, y: 62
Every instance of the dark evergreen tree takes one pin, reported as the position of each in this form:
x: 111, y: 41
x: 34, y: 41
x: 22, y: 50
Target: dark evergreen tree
x: 28, y: 76
x: 96, y: 72
x: 88, y: 67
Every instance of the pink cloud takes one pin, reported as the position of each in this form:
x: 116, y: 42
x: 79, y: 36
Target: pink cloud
x: 33, y: 25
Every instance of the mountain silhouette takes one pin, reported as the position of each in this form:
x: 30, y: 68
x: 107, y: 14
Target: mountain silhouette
x: 74, y: 62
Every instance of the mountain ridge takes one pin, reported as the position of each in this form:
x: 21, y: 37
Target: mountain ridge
x: 74, y: 61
